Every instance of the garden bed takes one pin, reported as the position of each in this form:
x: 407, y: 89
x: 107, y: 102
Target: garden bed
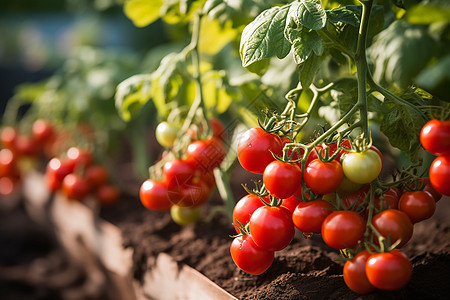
x: 132, y: 252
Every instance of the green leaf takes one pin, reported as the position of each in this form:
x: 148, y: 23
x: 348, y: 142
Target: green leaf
x: 239, y: 12
x: 306, y: 43
x: 307, y: 13
x: 132, y: 94
x: 309, y: 70
x: 376, y: 21
x: 343, y: 15
x: 402, y: 126
x: 264, y: 37
x: 436, y: 78
x: 142, y: 12
x: 400, y: 52
x: 428, y: 14
x: 259, y: 67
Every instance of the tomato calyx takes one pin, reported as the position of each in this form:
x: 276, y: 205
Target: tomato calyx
x: 243, y: 229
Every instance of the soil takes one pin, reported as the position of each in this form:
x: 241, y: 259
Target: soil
x: 306, y: 269
x: 34, y: 266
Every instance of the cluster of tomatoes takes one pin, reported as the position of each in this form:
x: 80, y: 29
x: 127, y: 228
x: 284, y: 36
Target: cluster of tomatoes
x: 78, y: 176
x: 18, y: 148
x: 187, y: 177
x: 337, y: 196
x: 435, y: 138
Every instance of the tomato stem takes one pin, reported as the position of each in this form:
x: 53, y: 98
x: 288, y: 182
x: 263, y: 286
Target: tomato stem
x: 198, y: 100
x: 223, y: 186
x: 361, y: 65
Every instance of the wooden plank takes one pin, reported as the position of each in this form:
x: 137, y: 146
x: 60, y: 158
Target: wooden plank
x: 98, y: 245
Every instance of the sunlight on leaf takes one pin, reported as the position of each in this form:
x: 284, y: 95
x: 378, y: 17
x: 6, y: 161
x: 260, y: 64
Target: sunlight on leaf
x: 142, y: 12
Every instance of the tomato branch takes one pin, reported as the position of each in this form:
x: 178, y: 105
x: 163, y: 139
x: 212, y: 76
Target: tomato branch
x: 361, y: 65
x: 198, y: 100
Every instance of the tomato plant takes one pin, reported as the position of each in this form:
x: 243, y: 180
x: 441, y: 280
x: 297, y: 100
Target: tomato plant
x: 244, y: 209
x: 395, y: 225
x: 355, y: 276
x: 255, y: 148
x: 418, y: 205
x: 185, y: 215
x: 96, y: 175
x: 42, y: 131
x: 323, y: 177
x: 272, y: 227
x: 249, y: 257
x: 205, y: 155
x: 154, y: 195
x: 282, y: 179
x: 177, y: 172
x: 343, y: 229
x: 439, y: 174
x: 362, y: 167
x: 435, y: 137
x: 107, y: 194
x: 75, y: 187
x: 389, y: 270
x: 166, y: 134
x: 309, y: 216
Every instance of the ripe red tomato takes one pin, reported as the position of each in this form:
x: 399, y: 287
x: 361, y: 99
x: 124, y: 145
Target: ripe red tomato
x: 8, y: 137
x: 255, y: 147
x: 42, y: 130
x: 75, y: 187
x: 282, y: 179
x: 389, y: 270
x: 291, y: 203
x: 388, y: 200
x: 435, y: 137
x: 343, y: 229
x: 428, y: 187
x: 362, y: 167
x: 395, y: 224
x: 26, y: 145
x: 107, y: 194
x: 194, y: 193
x: 418, y: 205
x: 323, y: 178
x: 272, y: 227
x: 96, y: 175
x: 8, y: 184
x: 56, y: 170
x: 244, y: 209
x: 7, y: 162
x: 356, y: 198
x: 249, y: 257
x: 177, y: 172
x: 154, y: 195
x: 355, y: 274
x: 208, y: 178
x: 218, y: 129
x: 440, y: 174
x: 309, y: 216
x: 205, y: 155
x: 81, y: 158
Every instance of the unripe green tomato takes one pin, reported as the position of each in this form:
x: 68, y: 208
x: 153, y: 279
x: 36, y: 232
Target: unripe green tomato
x: 362, y: 167
x: 166, y: 133
x: 185, y: 215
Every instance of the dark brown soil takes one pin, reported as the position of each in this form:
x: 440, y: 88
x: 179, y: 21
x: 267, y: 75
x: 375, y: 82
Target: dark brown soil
x: 307, y: 269
x: 34, y: 266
